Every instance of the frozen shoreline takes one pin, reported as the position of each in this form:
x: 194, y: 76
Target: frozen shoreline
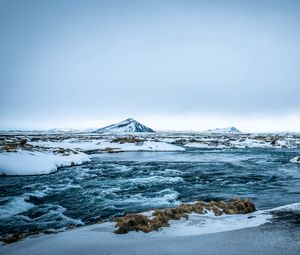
x: 47, y: 157
x: 23, y: 162
x: 97, y: 239
x: 32, y: 154
x: 267, y: 237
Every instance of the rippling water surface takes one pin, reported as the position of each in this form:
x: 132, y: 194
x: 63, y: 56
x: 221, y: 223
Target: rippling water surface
x: 114, y: 184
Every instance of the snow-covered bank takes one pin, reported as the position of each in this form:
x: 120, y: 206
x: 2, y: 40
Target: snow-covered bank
x: 103, y: 145
x: 249, y: 142
x: 43, y: 156
x: 182, y: 238
x: 24, y: 162
x: 204, y: 146
x: 143, y: 146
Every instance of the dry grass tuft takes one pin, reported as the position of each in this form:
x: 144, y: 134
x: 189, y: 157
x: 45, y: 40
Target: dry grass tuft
x: 127, y: 140
x: 161, y: 218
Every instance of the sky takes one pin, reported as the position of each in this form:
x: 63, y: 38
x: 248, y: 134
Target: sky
x: 172, y: 65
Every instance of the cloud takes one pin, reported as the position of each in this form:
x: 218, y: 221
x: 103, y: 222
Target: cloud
x: 101, y: 60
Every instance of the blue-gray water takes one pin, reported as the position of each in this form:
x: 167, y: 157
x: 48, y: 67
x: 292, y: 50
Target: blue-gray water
x: 114, y: 184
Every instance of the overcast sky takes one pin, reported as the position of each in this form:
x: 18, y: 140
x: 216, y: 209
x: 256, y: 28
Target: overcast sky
x: 189, y: 65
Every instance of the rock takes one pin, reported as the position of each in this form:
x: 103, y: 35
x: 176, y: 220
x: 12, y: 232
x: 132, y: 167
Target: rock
x: 295, y: 160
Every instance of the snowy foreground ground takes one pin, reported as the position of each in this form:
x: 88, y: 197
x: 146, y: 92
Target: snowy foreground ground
x: 248, y: 237
x: 34, y: 153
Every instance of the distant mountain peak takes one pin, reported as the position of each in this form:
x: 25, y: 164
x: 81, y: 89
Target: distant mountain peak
x: 227, y: 130
x: 126, y: 126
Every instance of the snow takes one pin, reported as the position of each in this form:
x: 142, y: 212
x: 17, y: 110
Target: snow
x: 97, y: 238
x: 223, y: 130
x: 36, y: 162
x: 198, y: 145
x: 251, y: 143
x: 204, y: 145
x: 102, y: 145
x: 24, y: 162
x: 127, y: 126
x: 142, y: 146
x: 69, y: 144
x: 199, y: 224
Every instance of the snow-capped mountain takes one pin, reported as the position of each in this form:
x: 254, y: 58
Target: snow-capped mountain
x: 227, y: 130
x: 64, y: 130
x: 126, y: 126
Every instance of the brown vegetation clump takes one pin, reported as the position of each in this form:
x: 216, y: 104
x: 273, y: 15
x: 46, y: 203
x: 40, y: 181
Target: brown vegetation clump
x: 260, y: 137
x: 64, y: 151
x: 127, y: 140
x: 180, y: 141
x: 9, y: 147
x: 12, y: 145
x: 132, y: 222
x: 161, y: 218
x: 111, y: 150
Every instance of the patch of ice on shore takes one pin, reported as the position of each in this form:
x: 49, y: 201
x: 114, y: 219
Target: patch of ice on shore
x: 197, y: 145
x: 35, y: 162
x: 205, y: 145
x: 289, y: 207
x: 198, y: 224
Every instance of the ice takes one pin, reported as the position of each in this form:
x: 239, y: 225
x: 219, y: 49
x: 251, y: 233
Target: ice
x: 198, y: 224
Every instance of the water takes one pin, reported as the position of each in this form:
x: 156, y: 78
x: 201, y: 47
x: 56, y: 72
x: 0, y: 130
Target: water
x: 114, y: 184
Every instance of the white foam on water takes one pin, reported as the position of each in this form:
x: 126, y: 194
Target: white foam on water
x: 110, y: 191
x: 295, y: 160
x: 65, y: 186
x: 165, y: 197
x: 155, y: 179
x: 13, y: 206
